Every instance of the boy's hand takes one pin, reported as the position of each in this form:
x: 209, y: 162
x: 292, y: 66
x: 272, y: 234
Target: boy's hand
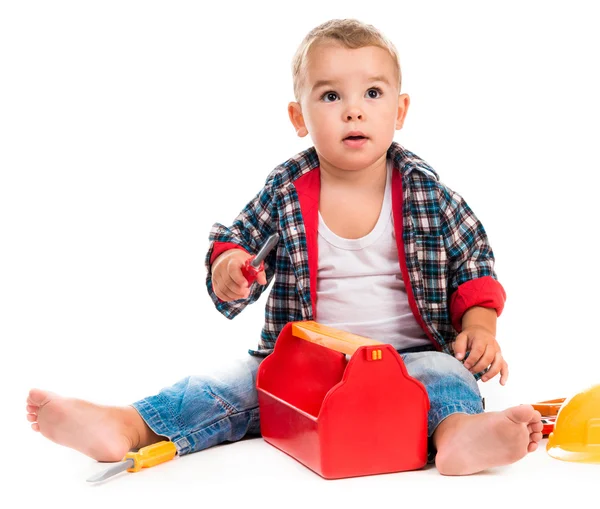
x: 227, y: 279
x: 484, y: 352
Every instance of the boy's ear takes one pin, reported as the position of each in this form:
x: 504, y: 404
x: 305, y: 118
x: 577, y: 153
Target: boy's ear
x: 297, y: 119
x: 403, y: 104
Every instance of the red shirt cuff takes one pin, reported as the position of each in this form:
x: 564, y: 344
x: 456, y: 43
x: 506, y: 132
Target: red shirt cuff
x: 485, y: 292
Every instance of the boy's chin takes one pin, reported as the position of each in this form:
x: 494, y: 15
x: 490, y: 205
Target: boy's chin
x: 356, y: 160
x: 352, y: 166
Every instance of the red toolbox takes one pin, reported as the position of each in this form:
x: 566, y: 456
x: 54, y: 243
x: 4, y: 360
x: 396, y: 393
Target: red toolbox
x: 341, y: 418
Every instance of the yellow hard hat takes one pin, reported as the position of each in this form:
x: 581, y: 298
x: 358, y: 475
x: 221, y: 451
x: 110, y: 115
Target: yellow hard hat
x: 576, y: 435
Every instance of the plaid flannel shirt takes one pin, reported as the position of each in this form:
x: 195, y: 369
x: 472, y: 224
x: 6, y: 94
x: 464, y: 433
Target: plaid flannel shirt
x: 446, y: 261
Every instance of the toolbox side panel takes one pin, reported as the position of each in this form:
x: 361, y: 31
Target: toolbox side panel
x: 299, y: 372
x: 375, y: 420
x: 290, y: 430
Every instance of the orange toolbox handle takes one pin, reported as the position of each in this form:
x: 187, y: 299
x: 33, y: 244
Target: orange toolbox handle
x: 549, y: 407
x: 329, y: 337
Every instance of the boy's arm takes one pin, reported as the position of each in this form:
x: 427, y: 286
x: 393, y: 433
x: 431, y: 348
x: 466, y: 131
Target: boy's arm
x: 477, y: 298
x: 480, y: 317
x: 472, y: 280
x: 249, y: 232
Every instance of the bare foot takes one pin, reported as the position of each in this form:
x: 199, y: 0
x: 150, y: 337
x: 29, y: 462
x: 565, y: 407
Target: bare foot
x: 467, y: 444
x: 101, y: 432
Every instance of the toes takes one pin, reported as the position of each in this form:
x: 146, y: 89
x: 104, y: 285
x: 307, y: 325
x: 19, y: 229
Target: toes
x: 32, y: 409
x: 536, y: 437
x: 35, y: 426
x: 38, y: 397
x: 522, y: 414
x: 532, y: 446
x: 535, y: 427
x: 32, y: 417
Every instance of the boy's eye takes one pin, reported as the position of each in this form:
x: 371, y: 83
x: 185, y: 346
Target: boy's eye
x: 373, y: 93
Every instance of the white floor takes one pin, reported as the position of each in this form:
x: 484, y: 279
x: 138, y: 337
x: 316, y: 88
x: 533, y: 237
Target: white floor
x: 252, y: 473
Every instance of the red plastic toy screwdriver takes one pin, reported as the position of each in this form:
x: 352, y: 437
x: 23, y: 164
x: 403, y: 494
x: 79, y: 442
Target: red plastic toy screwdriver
x: 255, y: 264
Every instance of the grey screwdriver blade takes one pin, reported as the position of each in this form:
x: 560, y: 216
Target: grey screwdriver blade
x: 265, y: 250
x: 114, y: 470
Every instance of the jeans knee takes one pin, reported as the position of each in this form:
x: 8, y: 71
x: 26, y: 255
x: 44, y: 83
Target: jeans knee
x: 442, y: 375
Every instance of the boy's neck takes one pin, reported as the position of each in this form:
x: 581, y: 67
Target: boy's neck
x: 372, y: 176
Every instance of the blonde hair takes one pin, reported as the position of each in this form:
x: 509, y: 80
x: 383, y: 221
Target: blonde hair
x: 351, y: 34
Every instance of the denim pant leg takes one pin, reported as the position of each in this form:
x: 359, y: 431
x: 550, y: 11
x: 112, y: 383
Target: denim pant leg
x: 450, y: 386
x: 201, y: 411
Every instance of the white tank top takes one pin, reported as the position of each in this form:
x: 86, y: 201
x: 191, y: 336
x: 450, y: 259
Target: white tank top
x: 359, y: 283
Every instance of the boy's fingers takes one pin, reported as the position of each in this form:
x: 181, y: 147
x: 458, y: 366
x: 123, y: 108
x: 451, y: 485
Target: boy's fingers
x: 460, y: 346
x: 236, y: 275
x: 261, y: 278
x: 228, y: 289
x: 477, y: 350
x: 484, y: 362
x: 237, y: 289
x: 217, y: 289
x: 494, y: 368
x: 503, y: 372
x: 221, y: 292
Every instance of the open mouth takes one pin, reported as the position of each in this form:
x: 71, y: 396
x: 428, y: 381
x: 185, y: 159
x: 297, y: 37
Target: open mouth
x: 356, y: 138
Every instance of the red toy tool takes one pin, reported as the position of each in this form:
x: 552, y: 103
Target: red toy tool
x: 255, y: 264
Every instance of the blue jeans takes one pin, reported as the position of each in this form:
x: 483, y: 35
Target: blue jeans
x: 201, y: 411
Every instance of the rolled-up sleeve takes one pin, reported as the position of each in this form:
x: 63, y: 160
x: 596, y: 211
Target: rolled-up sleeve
x: 472, y: 279
x: 249, y: 232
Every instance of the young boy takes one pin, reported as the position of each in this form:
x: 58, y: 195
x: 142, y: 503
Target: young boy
x: 358, y: 215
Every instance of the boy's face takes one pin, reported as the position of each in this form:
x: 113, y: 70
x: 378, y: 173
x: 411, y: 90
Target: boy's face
x: 349, y: 92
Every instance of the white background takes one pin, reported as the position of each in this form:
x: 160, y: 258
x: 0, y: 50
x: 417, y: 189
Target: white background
x: 128, y: 128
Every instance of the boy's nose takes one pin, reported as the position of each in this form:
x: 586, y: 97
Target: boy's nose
x: 354, y: 114
x: 353, y: 110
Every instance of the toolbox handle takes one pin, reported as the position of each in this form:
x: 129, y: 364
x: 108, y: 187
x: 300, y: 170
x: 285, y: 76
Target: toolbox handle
x: 549, y: 407
x: 329, y: 337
